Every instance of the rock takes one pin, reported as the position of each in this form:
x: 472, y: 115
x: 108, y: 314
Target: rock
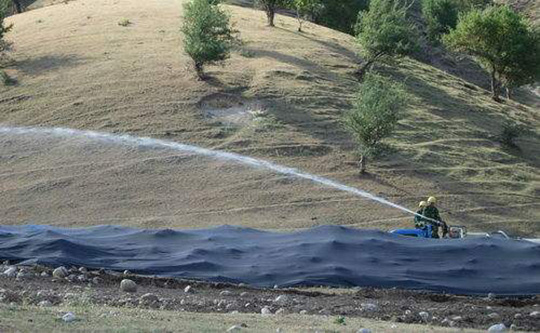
x: 369, y: 307
x: 408, y: 312
x: 493, y: 315
x: 276, y: 286
x: 303, y: 312
x: 45, y: 304
x: 424, y: 315
x: 514, y: 327
x: 235, y: 312
x: 188, y: 289
x: 534, y: 314
x: 11, y: 271
x: 126, y: 272
x: 281, y: 311
x: 68, y: 317
x: 279, y: 330
x: 97, y: 280
x: 128, y: 285
x: 247, y: 305
x: 21, y: 275
x: 244, y: 294
x: 234, y: 328
x: 148, y: 299
x: 497, y: 328
x: 518, y: 315
x: 44, y: 274
x: 266, y: 311
x: 282, y: 299
x: 491, y: 296
x: 83, y: 270
x: 364, y: 330
x: 457, y: 318
x: 225, y: 293
x: 60, y: 272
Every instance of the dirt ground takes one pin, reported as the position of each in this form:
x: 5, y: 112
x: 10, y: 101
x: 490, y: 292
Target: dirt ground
x: 35, y: 285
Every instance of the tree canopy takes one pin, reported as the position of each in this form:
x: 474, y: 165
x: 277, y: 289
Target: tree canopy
x: 385, y: 31
x: 502, y: 41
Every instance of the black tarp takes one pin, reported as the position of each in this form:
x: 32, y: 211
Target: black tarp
x: 326, y: 255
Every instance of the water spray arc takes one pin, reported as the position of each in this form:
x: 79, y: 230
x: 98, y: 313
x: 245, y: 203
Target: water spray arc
x: 222, y: 155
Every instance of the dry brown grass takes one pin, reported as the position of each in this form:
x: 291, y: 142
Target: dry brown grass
x: 78, y: 68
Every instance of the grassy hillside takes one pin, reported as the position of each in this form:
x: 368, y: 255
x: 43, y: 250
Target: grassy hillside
x: 78, y: 68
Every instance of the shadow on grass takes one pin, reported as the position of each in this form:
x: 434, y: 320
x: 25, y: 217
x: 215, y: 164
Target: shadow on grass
x: 40, y: 65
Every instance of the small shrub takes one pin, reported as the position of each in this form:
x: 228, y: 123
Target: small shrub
x: 247, y: 53
x: 6, y: 79
x: 340, y: 320
x: 510, y: 132
x: 124, y: 22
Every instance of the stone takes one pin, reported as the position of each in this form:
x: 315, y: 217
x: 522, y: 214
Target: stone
x: 493, y: 315
x: 126, y: 272
x: 303, y: 312
x: 188, y: 289
x: 68, y: 317
x: 45, y: 304
x: 424, y: 315
x: 364, y: 330
x: 266, y: 311
x: 282, y: 299
x: 97, y: 280
x: 276, y: 286
x: 235, y: 328
x: 457, y: 318
x: 83, y: 270
x: 44, y: 274
x: 148, y: 299
x: 497, y: 328
x: 225, y: 293
x: 281, y: 311
x: 491, y: 296
x: 11, y: 271
x: 534, y: 314
x: 60, y: 272
x: 128, y: 285
x: 369, y: 307
x: 518, y: 315
x: 244, y: 294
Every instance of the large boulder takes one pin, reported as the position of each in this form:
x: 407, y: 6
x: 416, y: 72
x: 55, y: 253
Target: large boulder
x: 128, y: 285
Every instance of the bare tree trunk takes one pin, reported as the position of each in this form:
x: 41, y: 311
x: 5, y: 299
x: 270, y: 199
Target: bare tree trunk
x: 363, y: 161
x: 494, y: 87
x: 200, y: 71
x: 300, y: 22
x: 270, y: 14
x: 508, y: 93
x: 18, y: 6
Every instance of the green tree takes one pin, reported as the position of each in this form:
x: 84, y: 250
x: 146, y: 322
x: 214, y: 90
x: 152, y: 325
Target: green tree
x: 4, y: 29
x: 440, y: 16
x: 208, y: 36
x: 270, y: 7
x: 306, y: 9
x: 375, y: 114
x: 502, y: 41
x: 340, y: 14
x: 384, y: 31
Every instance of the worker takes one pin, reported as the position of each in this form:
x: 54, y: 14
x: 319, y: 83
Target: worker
x: 434, y: 218
x: 419, y: 222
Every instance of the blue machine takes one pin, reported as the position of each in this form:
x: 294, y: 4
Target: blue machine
x: 425, y: 232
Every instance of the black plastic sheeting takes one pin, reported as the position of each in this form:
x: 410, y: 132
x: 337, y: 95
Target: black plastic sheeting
x: 327, y: 255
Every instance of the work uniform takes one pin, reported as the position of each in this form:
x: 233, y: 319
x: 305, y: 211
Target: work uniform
x: 432, y: 212
x: 418, y: 220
